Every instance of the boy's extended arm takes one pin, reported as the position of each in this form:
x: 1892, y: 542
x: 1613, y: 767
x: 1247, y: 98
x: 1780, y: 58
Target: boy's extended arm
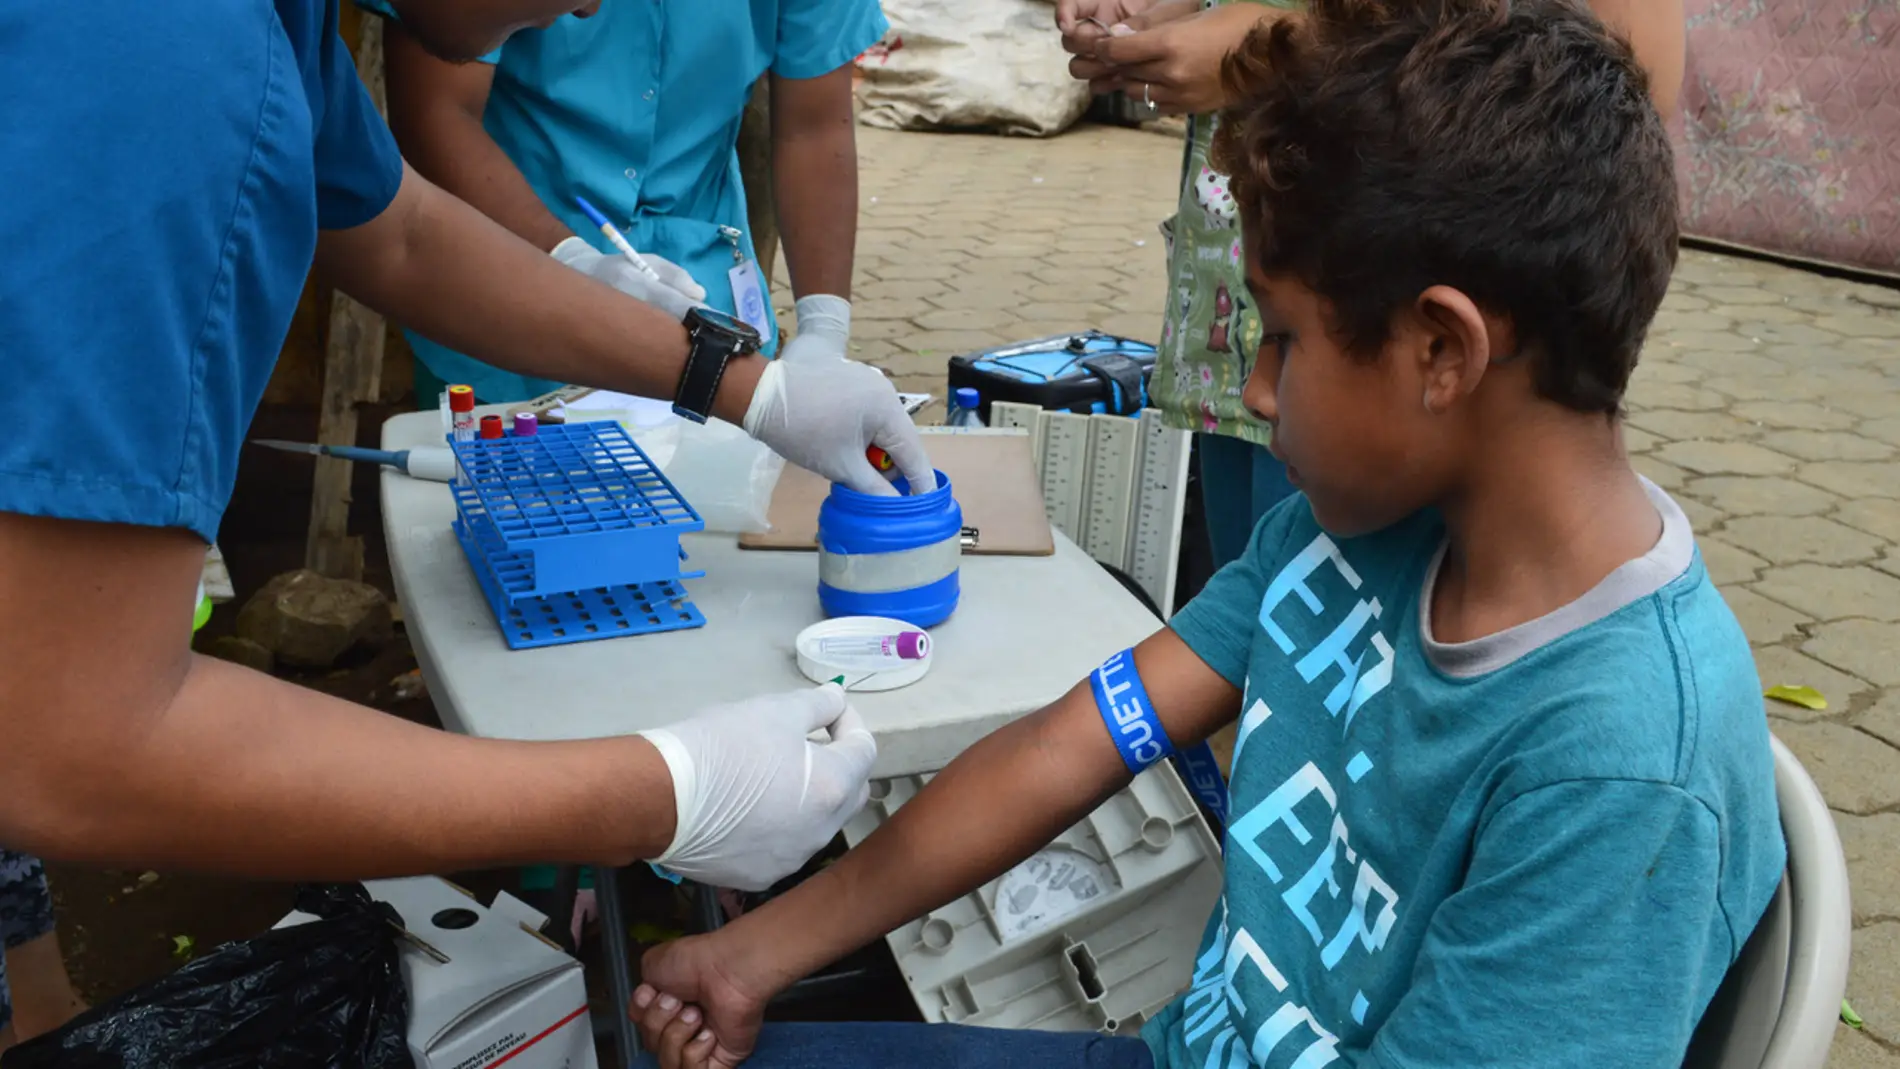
x: 1001, y: 800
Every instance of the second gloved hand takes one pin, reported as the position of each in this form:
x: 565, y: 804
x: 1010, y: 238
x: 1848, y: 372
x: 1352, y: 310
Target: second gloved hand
x: 755, y: 798
x: 824, y: 329
x: 822, y: 414
x: 675, y: 293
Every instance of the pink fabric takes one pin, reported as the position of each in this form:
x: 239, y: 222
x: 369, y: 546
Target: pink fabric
x: 1791, y: 127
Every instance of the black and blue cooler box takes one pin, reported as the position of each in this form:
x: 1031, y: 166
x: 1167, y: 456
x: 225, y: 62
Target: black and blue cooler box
x: 1085, y: 372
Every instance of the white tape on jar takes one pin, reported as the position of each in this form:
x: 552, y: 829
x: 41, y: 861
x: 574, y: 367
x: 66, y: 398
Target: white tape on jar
x: 881, y: 573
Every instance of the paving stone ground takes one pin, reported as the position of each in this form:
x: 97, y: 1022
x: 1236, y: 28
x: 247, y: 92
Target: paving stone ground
x: 1768, y: 402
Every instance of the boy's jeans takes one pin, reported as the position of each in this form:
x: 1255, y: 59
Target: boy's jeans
x: 896, y: 1045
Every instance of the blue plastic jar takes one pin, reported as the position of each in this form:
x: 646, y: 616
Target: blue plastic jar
x: 890, y: 556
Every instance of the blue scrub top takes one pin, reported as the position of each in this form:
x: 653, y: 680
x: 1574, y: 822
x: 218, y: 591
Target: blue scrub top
x: 165, y: 170
x: 638, y: 111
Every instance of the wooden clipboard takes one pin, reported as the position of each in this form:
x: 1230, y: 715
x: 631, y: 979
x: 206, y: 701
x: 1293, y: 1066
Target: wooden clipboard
x: 993, y: 476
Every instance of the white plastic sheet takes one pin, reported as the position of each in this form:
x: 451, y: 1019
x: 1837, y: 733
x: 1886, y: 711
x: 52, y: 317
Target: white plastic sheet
x: 724, y: 473
x: 970, y: 64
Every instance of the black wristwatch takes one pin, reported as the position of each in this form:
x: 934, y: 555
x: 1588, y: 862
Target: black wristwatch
x: 712, y: 339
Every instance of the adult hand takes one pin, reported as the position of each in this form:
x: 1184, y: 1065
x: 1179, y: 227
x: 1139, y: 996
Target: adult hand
x: 822, y: 414
x: 1173, y: 65
x: 675, y: 293
x: 1082, y: 22
x: 692, y: 1010
x: 824, y: 329
x: 755, y: 798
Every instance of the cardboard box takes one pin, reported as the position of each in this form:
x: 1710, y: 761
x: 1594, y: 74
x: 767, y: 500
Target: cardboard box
x: 506, y: 994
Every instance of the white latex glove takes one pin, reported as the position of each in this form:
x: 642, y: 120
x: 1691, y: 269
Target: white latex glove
x: 822, y: 414
x: 756, y: 798
x: 824, y: 329
x: 675, y: 293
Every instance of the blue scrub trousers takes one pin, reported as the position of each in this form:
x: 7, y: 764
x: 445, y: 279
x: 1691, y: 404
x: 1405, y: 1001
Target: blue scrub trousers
x: 1240, y: 481
x: 900, y: 1045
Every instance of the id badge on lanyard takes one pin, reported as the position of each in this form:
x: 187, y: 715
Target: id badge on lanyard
x: 748, y: 289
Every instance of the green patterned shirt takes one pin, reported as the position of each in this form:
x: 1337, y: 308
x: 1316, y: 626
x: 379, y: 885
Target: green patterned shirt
x: 1210, y: 331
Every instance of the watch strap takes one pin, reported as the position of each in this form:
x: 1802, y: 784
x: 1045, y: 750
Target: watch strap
x: 708, y: 351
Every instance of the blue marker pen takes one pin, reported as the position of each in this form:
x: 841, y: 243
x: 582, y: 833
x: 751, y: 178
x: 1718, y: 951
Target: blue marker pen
x: 614, y: 236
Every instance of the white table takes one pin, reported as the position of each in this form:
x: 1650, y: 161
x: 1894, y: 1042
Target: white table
x: 1026, y: 630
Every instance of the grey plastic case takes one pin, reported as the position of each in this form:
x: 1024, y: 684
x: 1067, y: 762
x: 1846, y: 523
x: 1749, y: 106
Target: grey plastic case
x: 1096, y: 932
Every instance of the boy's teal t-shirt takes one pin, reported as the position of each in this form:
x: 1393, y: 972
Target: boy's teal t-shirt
x: 1540, y: 848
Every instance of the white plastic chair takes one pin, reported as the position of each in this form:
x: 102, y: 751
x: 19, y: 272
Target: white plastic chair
x: 1778, y: 1005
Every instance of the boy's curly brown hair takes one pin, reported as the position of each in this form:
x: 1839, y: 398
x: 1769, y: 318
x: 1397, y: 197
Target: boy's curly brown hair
x: 1507, y: 148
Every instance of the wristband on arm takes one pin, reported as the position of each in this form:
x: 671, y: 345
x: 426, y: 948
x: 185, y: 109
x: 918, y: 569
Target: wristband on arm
x: 1130, y: 717
x: 1128, y: 714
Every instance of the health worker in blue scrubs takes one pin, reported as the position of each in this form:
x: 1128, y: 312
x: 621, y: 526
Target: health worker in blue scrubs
x: 637, y: 110
x: 169, y: 174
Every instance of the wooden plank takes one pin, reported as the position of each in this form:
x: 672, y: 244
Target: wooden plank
x: 352, y: 374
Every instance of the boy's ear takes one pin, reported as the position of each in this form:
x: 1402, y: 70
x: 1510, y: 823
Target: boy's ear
x: 1454, y: 346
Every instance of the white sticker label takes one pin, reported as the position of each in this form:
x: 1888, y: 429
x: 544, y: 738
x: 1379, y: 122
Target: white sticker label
x: 1054, y: 884
x: 748, y: 298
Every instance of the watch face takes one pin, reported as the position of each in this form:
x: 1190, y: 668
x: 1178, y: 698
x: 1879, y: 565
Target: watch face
x: 725, y: 324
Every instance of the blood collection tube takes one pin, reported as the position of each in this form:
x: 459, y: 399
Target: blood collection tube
x: 905, y: 646
x: 526, y: 424
x: 462, y: 412
x: 491, y: 427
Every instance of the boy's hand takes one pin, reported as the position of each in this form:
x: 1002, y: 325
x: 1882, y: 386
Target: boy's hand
x: 691, y: 1012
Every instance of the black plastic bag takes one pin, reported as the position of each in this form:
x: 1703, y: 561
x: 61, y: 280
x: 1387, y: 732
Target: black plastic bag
x: 323, y: 995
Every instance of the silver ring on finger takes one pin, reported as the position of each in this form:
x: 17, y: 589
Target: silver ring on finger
x: 1147, y: 98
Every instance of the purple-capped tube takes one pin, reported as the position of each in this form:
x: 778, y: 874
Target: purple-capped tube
x: 904, y: 646
x: 526, y: 424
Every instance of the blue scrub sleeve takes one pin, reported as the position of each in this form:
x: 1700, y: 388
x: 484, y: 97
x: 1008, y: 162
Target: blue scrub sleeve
x: 166, y: 245
x: 1576, y: 940
x: 359, y: 167
x: 381, y: 7
x: 816, y: 37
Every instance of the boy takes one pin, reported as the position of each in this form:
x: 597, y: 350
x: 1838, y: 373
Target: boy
x: 1502, y: 791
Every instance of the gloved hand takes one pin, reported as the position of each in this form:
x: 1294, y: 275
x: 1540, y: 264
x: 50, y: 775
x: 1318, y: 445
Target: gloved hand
x: 824, y: 329
x: 675, y: 293
x: 822, y: 414
x: 755, y: 798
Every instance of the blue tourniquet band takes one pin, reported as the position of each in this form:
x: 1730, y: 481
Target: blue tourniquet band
x: 1127, y: 712
x: 1200, y: 769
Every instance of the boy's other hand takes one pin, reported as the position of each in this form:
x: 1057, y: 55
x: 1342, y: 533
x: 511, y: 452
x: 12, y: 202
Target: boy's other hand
x: 691, y: 1011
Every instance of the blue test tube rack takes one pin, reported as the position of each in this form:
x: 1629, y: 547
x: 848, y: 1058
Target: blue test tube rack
x: 574, y: 535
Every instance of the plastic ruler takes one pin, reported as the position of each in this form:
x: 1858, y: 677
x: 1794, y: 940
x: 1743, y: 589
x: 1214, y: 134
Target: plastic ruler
x: 1114, y: 450
x: 974, y: 432
x: 1116, y: 485
x: 1029, y: 417
x: 1065, y: 460
x: 1154, y: 533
